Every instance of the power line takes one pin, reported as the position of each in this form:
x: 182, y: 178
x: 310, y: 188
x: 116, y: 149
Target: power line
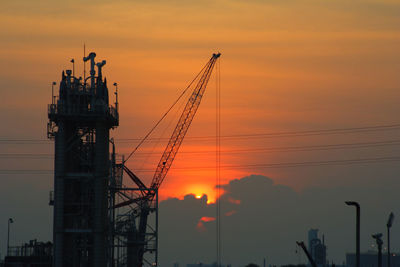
x: 242, y: 166
x: 296, y: 164
x: 387, y: 127
x: 26, y: 171
x: 27, y: 155
x: 299, y: 133
x: 239, y: 151
x: 296, y: 148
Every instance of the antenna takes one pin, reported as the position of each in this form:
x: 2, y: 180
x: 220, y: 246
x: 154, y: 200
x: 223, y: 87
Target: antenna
x: 84, y: 63
x: 73, y: 67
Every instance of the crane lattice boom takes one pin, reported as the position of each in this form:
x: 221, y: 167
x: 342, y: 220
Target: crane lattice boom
x: 183, y: 125
x: 140, y: 233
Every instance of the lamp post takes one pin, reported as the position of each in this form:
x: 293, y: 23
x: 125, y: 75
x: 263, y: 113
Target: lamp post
x: 389, y: 225
x: 52, y: 92
x: 379, y: 243
x: 353, y: 203
x: 10, y: 220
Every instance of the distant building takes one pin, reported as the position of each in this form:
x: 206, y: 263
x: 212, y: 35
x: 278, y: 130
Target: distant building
x: 370, y: 259
x: 312, y: 234
x: 317, y: 248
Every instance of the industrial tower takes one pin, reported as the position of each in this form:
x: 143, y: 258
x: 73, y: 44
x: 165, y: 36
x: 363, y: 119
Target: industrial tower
x: 80, y: 119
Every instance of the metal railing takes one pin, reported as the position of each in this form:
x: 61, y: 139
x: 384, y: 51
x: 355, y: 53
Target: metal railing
x: 82, y: 109
x: 31, y: 249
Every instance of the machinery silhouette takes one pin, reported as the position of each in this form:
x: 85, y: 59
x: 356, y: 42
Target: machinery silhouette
x: 141, y: 237
x: 98, y: 220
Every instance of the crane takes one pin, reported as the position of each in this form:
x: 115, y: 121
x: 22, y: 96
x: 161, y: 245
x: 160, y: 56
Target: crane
x: 310, y: 259
x: 144, y: 201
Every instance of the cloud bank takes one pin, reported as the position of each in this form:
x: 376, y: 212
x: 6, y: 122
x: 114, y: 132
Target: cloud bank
x: 263, y: 219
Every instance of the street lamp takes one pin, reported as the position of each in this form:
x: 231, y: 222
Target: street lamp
x: 389, y: 225
x: 379, y: 243
x: 10, y: 220
x: 353, y: 203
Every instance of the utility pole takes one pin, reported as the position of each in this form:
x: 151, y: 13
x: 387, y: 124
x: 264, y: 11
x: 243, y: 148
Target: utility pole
x: 379, y: 243
x: 10, y: 220
x: 353, y: 203
x: 389, y: 225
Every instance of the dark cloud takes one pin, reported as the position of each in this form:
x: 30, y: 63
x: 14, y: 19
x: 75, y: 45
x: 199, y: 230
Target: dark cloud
x: 263, y: 219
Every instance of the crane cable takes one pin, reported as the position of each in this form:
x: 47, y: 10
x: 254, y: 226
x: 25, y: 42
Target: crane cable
x: 158, y: 140
x: 218, y: 161
x: 165, y: 114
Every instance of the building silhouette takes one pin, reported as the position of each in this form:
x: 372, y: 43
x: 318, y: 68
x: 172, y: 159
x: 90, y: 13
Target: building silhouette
x: 317, y: 248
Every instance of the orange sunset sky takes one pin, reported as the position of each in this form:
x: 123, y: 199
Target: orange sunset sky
x: 286, y: 66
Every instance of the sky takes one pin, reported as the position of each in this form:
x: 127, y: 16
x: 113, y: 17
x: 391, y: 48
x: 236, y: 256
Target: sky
x: 286, y: 67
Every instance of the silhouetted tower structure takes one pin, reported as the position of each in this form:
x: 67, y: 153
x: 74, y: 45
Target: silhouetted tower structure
x: 80, y: 119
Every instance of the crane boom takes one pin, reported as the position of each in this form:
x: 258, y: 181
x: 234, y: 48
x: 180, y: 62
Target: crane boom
x: 183, y: 125
x: 310, y: 259
x: 139, y: 235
